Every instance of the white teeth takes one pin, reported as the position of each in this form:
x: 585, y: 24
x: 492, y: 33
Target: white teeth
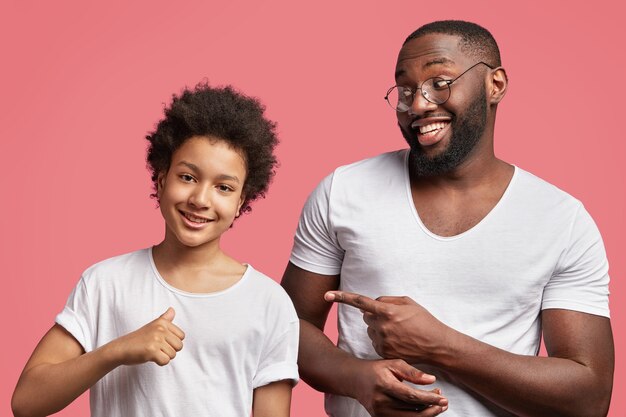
x: 195, y: 219
x: 432, y: 126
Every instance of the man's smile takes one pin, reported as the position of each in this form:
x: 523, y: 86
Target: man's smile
x: 429, y: 132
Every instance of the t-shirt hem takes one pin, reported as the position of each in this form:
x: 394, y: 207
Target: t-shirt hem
x: 315, y: 268
x: 63, y: 320
x: 583, y: 308
x: 276, y: 372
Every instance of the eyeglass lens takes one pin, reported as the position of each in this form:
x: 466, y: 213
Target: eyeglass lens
x: 435, y: 90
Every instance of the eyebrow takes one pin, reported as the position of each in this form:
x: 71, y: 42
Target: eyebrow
x: 195, y: 169
x: 447, y: 62
x: 439, y: 61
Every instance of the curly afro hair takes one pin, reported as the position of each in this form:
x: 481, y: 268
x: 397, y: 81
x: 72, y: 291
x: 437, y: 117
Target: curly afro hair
x: 221, y: 113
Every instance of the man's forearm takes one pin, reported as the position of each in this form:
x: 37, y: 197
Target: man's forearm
x: 527, y: 385
x: 323, y: 365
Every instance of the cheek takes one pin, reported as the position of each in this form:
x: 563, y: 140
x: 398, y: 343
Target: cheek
x: 227, y: 206
x: 403, y: 118
x: 172, y: 194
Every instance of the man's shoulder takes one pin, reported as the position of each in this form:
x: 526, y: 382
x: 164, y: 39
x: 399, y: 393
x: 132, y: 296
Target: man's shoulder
x: 532, y: 184
x: 367, y: 172
x: 532, y: 188
x: 388, y: 160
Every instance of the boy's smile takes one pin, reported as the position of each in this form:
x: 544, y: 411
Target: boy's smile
x: 201, y: 193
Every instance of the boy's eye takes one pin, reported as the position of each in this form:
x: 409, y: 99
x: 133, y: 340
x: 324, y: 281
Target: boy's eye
x: 186, y: 178
x: 225, y: 188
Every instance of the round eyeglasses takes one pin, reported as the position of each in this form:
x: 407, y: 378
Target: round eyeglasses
x: 436, y: 90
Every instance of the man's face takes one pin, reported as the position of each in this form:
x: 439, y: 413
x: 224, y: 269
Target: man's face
x: 441, y: 136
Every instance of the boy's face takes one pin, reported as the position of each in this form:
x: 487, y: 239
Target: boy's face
x: 201, y: 194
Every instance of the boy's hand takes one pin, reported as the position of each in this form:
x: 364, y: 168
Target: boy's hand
x: 157, y: 341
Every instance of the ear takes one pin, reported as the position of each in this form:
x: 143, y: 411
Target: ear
x: 241, y: 200
x: 497, y: 85
x: 160, y: 184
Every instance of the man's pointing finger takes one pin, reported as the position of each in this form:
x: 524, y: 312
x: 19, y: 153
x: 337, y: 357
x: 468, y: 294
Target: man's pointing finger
x: 359, y: 301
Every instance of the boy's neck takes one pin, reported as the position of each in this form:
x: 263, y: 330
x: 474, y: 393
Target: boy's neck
x: 202, y: 269
x: 185, y: 257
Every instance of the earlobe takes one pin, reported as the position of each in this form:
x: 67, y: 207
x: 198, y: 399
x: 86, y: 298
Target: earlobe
x: 160, y: 184
x: 499, y: 83
x: 239, y: 207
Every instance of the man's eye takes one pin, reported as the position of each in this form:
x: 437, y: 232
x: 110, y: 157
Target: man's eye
x: 440, y: 84
x: 404, y: 94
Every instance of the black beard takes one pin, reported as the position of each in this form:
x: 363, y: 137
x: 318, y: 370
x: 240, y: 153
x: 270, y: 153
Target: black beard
x: 466, y: 132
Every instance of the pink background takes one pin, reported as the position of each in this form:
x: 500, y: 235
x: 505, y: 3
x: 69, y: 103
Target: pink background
x: 82, y: 84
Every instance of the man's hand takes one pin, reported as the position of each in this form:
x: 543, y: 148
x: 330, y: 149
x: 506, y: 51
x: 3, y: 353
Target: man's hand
x: 157, y: 341
x: 379, y: 388
x: 398, y: 327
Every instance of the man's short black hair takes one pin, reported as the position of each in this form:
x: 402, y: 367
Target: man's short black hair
x: 221, y: 113
x: 475, y: 40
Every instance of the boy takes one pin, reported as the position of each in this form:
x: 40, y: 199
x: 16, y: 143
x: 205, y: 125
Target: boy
x: 209, y: 157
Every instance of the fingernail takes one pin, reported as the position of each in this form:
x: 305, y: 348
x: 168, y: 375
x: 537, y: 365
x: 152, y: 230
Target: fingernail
x: 329, y: 296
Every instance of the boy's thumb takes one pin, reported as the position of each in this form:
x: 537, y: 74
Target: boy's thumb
x: 169, y: 314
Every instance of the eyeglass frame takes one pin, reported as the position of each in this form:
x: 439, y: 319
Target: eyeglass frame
x: 448, y: 84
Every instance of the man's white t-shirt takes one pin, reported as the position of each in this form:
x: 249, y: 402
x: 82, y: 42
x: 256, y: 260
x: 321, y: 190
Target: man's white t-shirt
x: 235, y: 340
x: 537, y: 249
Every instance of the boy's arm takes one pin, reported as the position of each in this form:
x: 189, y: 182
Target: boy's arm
x: 272, y: 400
x: 59, y: 371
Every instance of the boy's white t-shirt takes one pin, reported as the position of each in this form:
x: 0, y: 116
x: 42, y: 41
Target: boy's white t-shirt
x: 537, y: 249
x: 235, y: 340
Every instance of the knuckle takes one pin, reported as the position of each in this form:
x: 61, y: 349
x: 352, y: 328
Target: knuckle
x: 358, y: 300
x: 398, y: 363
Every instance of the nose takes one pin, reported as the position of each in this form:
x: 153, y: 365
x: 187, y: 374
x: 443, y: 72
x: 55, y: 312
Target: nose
x: 200, y: 198
x: 420, y: 105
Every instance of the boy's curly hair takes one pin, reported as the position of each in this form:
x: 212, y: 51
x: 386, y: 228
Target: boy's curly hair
x: 221, y: 113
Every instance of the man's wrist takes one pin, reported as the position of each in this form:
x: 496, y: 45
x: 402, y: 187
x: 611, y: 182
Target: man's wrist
x: 449, y: 351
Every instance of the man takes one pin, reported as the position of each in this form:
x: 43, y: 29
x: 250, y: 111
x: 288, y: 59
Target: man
x: 469, y: 258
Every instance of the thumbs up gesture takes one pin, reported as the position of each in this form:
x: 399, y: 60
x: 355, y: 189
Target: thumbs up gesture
x: 157, y: 341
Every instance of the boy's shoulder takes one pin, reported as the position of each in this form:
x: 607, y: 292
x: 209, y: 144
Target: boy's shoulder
x: 259, y: 281
x: 125, y: 264
x: 262, y: 286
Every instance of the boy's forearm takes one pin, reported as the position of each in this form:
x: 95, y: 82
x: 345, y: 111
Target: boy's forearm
x: 49, y: 387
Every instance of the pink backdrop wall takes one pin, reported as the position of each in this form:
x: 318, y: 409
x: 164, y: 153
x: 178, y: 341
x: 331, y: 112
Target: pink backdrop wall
x: 81, y: 84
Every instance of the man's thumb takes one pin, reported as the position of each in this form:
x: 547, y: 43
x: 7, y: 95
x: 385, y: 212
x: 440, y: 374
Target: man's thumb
x: 169, y: 314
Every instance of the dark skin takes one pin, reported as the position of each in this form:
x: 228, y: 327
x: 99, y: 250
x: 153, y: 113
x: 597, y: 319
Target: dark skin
x: 576, y: 377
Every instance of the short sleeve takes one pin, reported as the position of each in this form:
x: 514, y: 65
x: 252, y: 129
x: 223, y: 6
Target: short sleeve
x: 580, y: 281
x: 75, y: 317
x: 279, y: 355
x: 315, y: 247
